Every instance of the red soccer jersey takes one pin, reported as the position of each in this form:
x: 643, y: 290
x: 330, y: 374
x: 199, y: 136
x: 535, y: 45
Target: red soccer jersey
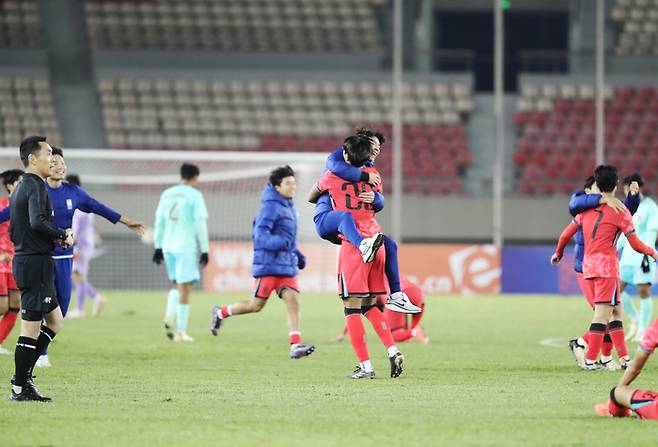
x: 602, y: 227
x: 345, y: 197
x: 6, y: 246
x: 650, y: 340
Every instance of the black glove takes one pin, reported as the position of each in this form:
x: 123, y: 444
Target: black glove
x: 646, y: 268
x: 301, y: 260
x: 158, y: 257
x: 203, y: 260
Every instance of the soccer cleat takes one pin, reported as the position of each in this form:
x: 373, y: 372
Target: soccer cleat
x: 632, y: 329
x: 300, y: 350
x: 369, y: 247
x: 591, y: 366
x: 578, y: 352
x: 360, y: 373
x: 5, y: 351
x: 30, y: 392
x: 43, y: 362
x: 169, y: 328
x: 27, y: 396
x: 396, y: 364
x: 399, y: 302
x: 625, y: 361
x: 610, y: 365
x: 182, y: 337
x: 215, y: 320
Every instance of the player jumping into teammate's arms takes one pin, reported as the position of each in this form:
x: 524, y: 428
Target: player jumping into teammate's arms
x: 181, y: 240
x: 581, y: 201
x: 277, y: 259
x: 360, y: 283
x: 329, y: 223
x: 602, y: 226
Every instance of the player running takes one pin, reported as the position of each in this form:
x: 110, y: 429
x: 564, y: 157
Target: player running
x: 181, y: 240
x: 581, y: 201
x: 277, y: 259
x: 10, y: 299
x: 624, y: 399
x: 359, y: 283
x: 329, y: 223
x: 636, y: 268
x: 602, y: 226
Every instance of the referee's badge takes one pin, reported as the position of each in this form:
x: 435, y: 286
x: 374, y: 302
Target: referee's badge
x: 69, y: 204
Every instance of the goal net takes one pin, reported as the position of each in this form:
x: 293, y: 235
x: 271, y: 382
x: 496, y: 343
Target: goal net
x: 131, y: 182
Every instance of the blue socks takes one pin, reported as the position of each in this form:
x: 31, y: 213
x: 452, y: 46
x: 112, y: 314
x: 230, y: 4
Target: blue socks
x: 646, y: 312
x: 182, y: 317
x: 629, y: 307
x: 172, y: 304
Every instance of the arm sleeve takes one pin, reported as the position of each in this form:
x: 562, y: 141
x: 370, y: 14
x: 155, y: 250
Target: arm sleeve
x: 4, y: 215
x: 378, y: 203
x: 632, y: 203
x: 582, y: 202
x: 88, y: 204
x: 38, y: 218
x: 159, y: 226
x: 201, y: 224
x: 565, y: 237
x: 638, y: 246
x: 337, y: 164
x: 263, y: 237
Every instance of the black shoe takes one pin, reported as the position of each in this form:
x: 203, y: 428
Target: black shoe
x: 31, y: 389
x: 396, y: 364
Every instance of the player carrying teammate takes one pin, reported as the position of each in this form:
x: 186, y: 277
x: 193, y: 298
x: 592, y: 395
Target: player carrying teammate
x: 359, y: 283
x: 581, y: 201
x: 635, y: 268
x: 10, y: 299
x: 602, y: 226
x: 181, y: 240
x: 277, y: 259
x: 623, y: 398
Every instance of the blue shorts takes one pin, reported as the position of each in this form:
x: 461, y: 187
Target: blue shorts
x: 64, y: 282
x: 635, y: 275
x: 182, y: 268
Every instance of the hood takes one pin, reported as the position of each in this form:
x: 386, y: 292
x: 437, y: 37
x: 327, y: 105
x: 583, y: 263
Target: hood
x: 270, y: 194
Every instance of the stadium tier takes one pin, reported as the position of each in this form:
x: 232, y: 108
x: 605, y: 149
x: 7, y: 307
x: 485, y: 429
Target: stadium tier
x: 26, y: 108
x: 236, y: 25
x: 556, y: 135
x: 293, y: 116
x: 637, y: 23
x: 19, y: 24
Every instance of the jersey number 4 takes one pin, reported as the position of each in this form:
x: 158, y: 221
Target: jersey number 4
x: 174, y: 214
x: 359, y: 203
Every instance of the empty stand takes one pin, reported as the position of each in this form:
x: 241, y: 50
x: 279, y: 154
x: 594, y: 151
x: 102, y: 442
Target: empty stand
x: 19, y: 24
x: 637, y: 27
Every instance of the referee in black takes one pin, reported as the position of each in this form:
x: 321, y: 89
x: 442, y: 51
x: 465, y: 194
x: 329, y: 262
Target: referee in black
x: 34, y: 237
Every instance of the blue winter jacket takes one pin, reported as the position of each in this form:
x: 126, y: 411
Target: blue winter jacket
x: 274, y: 233
x: 579, y: 202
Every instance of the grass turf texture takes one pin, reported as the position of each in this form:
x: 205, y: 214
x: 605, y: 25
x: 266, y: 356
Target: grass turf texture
x: 482, y: 380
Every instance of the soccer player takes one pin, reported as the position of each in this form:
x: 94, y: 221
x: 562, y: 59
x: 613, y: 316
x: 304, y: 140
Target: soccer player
x: 582, y: 200
x: 276, y: 259
x: 602, y: 226
x: 66, y: 198
x: 329, y: 223
x: 10, y: 299
x: 624, y: 399
x: 401, y: 328
x: 83, y: 252
x: 635, y: 268
x: 359, y: 283
x: 181, y: 240
x: 34, y: 234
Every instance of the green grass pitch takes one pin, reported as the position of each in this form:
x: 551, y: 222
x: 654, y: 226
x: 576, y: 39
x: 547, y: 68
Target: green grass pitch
x: 483, y: 380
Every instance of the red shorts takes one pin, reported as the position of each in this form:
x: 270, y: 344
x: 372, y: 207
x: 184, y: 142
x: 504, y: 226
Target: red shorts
x: 265, y: 285
x: 645, y: 404
x: 7, y: 283
x: 584, y: 287
x: 358, y: 279
x: 601, y: 290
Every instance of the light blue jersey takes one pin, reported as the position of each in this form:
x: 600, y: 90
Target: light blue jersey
x: 181, y: 221
x: 645, y: 222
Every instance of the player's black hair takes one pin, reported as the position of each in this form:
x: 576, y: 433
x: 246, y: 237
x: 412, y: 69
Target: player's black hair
x: 10, y: 176
x: 636, y: 177
x: 589, y: 182
x: 277, y: 175
x: 606, y: 177
x: 358, y: 149
x: 73, y: 179
x: 189, y: 171
x: 364, y: 131
x: 30, y: 145
x: 57, y: 151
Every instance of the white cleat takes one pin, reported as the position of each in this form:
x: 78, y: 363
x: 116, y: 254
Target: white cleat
x: 182, y: 337
x: 399, y: 302
x: 43, y: 362
x: 632, y: 329
x: 369, y: 247
x: 610, y: 365
x: 5, y: 351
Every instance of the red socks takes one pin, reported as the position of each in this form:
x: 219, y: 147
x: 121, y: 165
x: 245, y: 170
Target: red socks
x: 357, y: 333
x: 606, y: 347
x: 379, y: 323
x: 7, y: 323
x: 226, y: 311
x: 401, y: 335
x: 295, y: 337
x: 596, y: 334
x: 616, y: 330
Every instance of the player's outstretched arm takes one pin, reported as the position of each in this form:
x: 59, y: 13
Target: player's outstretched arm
x: 634, y: 367
x: 565, y: 237
x: 640, y: 247
x: 133, y: 225
x: 88, y: 204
